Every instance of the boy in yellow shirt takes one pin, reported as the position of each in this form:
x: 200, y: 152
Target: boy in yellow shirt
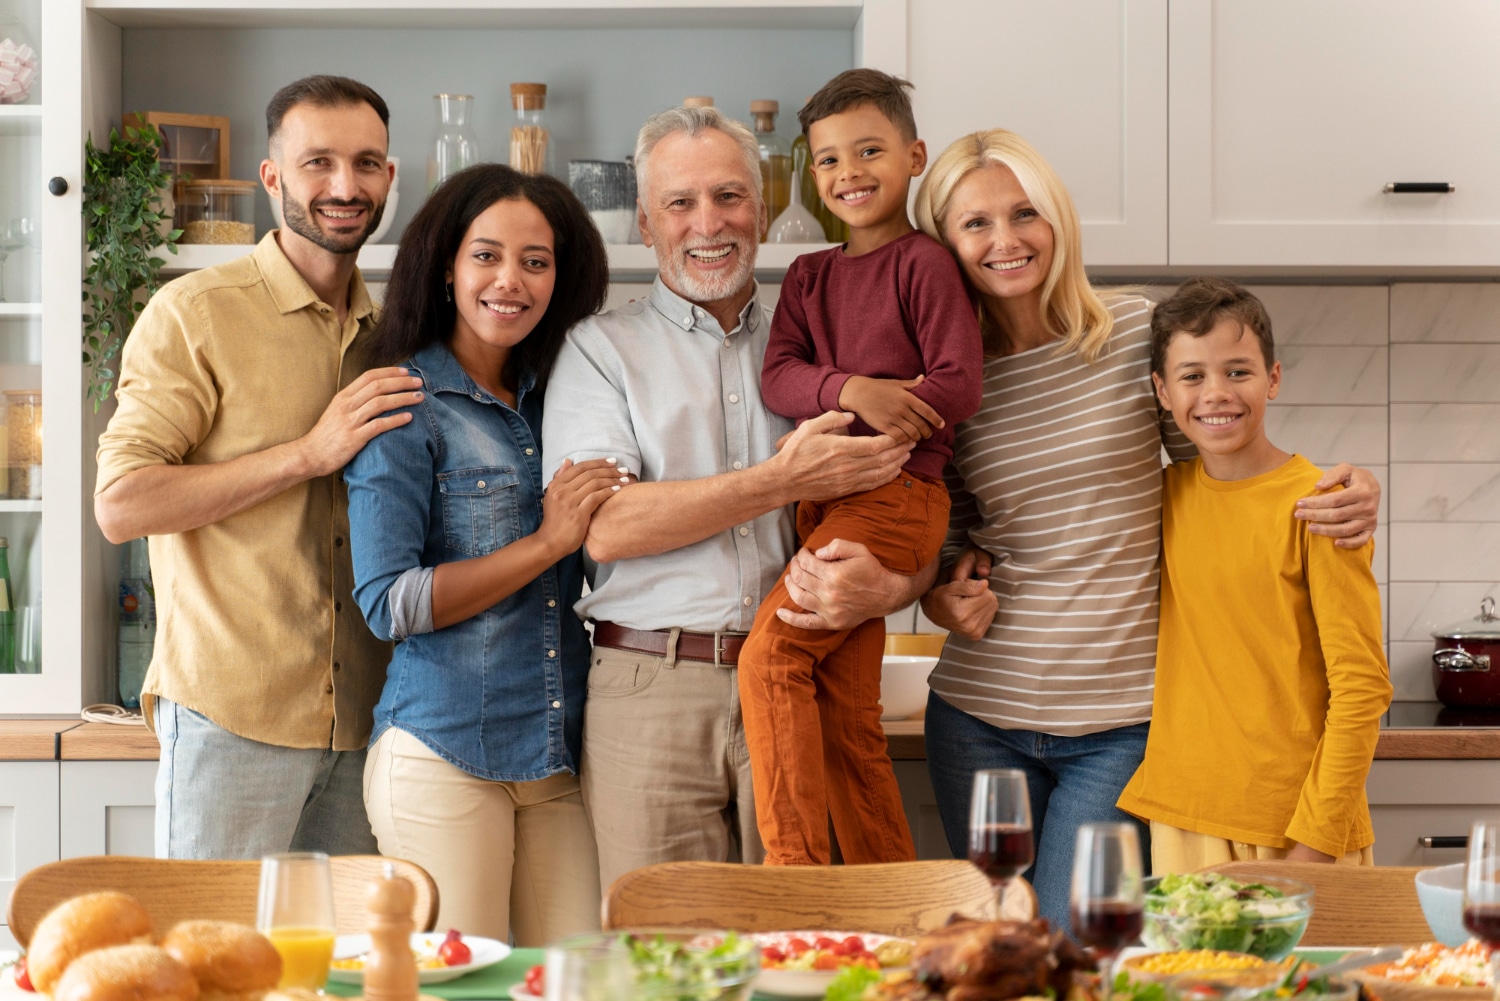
x: 1270, y: 677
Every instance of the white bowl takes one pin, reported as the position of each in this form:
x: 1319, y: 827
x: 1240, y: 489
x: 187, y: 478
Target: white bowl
x: 903, y: 685
x: 1441, y: 893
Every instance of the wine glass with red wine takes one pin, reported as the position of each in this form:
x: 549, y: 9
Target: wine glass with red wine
x: 1107, y: 893
x: 1482, y: 892
x: 1000, y: 843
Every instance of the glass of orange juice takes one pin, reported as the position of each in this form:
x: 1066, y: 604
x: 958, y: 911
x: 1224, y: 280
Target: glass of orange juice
x: 295, y: 912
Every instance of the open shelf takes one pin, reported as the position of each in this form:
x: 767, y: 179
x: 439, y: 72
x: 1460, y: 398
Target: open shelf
x: 20, y: 309
x: 20, y: 506
x: 20, y: 119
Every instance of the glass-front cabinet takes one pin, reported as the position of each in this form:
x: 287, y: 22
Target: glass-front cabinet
x: 41, y: 664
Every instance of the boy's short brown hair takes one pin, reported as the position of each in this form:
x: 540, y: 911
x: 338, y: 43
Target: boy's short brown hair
x: 852, y: 88
x: 1197, y: 307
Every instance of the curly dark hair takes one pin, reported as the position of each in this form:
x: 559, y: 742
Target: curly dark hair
x: 417, y: 312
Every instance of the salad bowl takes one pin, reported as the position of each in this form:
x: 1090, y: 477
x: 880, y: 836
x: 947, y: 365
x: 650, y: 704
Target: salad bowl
x: 1206, y: 910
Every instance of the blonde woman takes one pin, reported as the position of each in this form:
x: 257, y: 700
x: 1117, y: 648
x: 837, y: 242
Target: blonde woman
x: 1049, y: 577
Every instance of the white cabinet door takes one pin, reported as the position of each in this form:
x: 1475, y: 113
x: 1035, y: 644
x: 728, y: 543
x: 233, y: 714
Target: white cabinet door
x: 108, y: 808
x: 1084, y: 81
x: 28, y: 821
x: 1289, y: 119
x: 1416, y: 805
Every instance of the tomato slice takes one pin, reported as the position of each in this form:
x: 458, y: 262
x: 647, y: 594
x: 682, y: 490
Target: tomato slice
x: 455, y: 953
x: 534, y: 981
x: 23, y: 978
x: 797, y: 947
x: 827, y: 961
x: 824, y: 942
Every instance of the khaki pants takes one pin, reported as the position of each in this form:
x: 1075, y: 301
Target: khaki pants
x: 1176, y: 850
x: 666, y: 777
x: 506, y: 856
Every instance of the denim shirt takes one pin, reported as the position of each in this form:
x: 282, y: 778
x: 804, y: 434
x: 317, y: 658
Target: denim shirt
x: 499, y: 695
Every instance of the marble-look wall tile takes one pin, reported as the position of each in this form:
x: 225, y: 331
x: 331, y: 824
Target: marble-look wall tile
x: 1326, y: 314
x: 1436, y: 312
x: 1445, y: 432
x: 1352, y: 434
x: 1436, y: 491
x: 1380, y: 563
x: 1411, y: 671
x: 1336, y: 376
x: 1445, y: 373
x: 1444, y: 552
x: 1419, y: 609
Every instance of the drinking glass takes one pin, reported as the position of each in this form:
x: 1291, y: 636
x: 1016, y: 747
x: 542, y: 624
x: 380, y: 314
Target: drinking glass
x: 1000, y: 843
x: 1482, y: 892
x: 14, y: 236
x: 295, y: 912
x: 1107, y: 897
x: 589, y: 967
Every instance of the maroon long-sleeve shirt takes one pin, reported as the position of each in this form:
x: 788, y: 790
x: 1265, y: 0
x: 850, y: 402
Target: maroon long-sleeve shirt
x: 894, y: 313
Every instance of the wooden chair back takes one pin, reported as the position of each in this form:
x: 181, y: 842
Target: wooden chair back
x: 175, y: 890
x: 1352, y: 905
x: 901, y: 898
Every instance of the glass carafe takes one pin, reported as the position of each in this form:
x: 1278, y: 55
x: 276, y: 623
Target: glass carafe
x: 454, y: 148
x: 796, y: 224
x: 835, y: 230
x: 775, y: 158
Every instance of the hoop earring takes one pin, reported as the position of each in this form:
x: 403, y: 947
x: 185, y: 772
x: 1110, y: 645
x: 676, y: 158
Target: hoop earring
x: 448, y: 291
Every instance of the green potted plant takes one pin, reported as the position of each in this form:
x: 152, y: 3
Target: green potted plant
x: 125, y: 190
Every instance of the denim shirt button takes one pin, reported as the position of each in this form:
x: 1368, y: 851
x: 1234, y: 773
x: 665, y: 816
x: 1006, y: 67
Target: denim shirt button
x: 479, y: 397
x: 551, y: 653
x: 551, y: 602
x: 531, y: 451
x: 556, y: 705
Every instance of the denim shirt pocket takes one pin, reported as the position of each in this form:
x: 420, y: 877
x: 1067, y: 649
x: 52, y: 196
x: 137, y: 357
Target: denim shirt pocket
x: 481, y: 509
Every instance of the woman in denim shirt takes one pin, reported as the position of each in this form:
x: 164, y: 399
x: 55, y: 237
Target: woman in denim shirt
x: 461, y: 558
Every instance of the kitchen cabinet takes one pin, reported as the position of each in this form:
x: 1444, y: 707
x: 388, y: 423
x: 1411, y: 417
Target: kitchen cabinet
x: 1415, y: 800
x: 1288, y: 120
x: 1084, y: 81
x: 28, y: 823
x: 107, y: 808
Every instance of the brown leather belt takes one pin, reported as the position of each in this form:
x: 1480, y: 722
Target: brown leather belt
x: 715, y: 648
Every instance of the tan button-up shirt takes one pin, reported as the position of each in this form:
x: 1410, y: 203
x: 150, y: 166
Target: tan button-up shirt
x: 257, y: 628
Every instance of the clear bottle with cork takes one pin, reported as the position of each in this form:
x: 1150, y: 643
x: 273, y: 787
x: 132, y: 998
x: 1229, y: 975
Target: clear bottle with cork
x: 530, y: 140
x: 137, y: 621
x: 775, y: 158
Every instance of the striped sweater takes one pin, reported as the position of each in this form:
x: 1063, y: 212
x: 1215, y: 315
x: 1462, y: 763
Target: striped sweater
x: 1060, y: 480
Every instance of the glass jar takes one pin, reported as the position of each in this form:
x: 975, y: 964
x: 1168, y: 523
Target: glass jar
x: 530, y: 141
x: 775, y: 158
x: 20, y: 63
x: 216, y: 211
x: 454, y: 147
x: 23, y: 432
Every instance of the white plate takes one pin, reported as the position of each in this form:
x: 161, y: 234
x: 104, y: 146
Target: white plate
x: 486, y: 952
x: 520, y: 993
x: 802, y: 983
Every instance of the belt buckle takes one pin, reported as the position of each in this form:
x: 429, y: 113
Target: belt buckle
x: 718, y: 649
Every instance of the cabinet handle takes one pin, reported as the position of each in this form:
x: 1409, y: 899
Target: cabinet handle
x: 1419, y: 188
x: 1445, y: 841
x: 58, y: 186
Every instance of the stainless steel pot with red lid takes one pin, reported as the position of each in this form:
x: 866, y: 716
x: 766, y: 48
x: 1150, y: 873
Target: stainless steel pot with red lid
x: 1466, y: 661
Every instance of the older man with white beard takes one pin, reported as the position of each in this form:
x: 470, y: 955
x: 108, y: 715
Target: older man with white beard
x: 669, y: 388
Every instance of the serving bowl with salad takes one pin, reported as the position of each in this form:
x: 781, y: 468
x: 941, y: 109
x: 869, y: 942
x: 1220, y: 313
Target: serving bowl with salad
x: 666, y: 964
x: 1206, y: 910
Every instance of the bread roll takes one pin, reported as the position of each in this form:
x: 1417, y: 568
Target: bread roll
x: 231, y: 962
x: 81, y: 925
x: 126, y: 973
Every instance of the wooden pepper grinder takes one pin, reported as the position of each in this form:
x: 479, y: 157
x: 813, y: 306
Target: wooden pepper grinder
x: 390, y: 968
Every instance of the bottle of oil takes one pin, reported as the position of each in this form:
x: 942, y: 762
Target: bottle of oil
x: 775, y: 158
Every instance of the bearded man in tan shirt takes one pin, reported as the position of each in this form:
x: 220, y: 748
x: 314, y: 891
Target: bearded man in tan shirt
x: 240, y: 400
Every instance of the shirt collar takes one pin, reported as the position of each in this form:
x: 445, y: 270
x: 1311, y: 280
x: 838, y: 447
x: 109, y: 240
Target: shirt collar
x: 442, y: 373
x: 682, y: 313
x: 290, y: 291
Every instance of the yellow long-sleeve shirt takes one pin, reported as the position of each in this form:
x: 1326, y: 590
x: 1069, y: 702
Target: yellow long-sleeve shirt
x: 1270, y: 677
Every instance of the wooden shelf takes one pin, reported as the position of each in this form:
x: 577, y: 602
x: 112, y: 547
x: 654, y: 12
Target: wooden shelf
x: 481, y: 13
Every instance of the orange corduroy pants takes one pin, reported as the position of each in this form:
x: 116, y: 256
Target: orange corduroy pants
x: 811, y: 698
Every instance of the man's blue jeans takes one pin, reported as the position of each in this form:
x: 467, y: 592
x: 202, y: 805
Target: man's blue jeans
x: 221, y: 796
x: 1072, y: 781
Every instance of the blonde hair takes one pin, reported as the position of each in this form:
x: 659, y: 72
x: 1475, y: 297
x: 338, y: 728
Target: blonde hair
x: 1071, y: 308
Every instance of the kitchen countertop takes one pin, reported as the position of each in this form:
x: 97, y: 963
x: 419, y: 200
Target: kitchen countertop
x: 1411, y: 730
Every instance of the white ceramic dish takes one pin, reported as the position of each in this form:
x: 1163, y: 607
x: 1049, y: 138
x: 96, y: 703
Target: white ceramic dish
x: 1440, y: 891
x: 520, y: 993
x: 486, y: 952
x: 903, y: 685
x: 802, y: 983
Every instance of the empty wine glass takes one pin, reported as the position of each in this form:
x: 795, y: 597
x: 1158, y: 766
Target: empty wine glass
x: 17, y: 234
x: 1108, y: 896
x: 1482, y: 892
x: 295, y: 912
x: 1000, y: 842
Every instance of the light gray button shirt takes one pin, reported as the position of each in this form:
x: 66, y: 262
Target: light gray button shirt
x: 660, y: 387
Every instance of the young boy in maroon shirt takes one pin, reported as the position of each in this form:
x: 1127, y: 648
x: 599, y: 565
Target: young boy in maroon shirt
x: 882, y: 327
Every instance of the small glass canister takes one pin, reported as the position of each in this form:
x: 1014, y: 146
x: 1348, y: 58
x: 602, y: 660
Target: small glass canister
x: 530, y: 142
x: 216, y: 211
x: 23, y: 432
x: 19, y: 63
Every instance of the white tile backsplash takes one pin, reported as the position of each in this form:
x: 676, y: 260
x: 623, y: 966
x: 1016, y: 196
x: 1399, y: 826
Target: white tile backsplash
x: 1432, y: 551
x: 1333, y: 375
x: 1346, y: 434
x: 1435, y: 312
x: 1445, y: 373
x: 1411, y: 671
x: 1420, y: 609
x: 1326, y: 314
x: 1445, y: 432
x: 1444, y: 491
